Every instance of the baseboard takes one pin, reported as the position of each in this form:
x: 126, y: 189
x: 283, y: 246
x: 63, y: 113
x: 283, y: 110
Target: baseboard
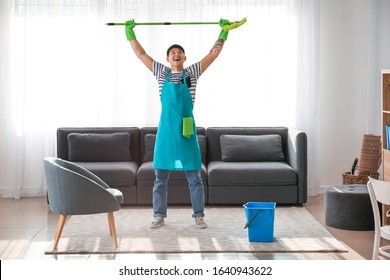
x: 17, y: 194
x: 314, y: 191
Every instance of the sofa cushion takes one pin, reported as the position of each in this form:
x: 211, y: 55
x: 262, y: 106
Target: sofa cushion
x: 250, y: 174
x: 115, y: 174
x: 146, y: 175
x: 150, y: 140
x: 251, y: 148
x: 99, y: 147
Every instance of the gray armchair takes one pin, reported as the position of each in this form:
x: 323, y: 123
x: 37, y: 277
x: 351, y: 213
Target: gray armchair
x: 73, y: 190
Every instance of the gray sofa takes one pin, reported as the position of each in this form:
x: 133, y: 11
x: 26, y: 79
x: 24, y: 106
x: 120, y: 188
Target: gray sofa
x: 240, y: 164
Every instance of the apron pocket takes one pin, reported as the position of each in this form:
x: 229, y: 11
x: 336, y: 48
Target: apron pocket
x: 188, y: 127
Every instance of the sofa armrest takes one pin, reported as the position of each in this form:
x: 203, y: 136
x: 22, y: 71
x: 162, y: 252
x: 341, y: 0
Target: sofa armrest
x: 297, y: 158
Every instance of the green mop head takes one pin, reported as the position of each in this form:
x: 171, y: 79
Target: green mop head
x: 233, y: 25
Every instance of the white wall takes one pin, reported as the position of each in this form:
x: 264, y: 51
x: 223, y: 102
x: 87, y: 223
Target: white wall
x: 353, y: 45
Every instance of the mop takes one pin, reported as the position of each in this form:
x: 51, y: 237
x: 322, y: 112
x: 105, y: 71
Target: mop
x: 229, y: 26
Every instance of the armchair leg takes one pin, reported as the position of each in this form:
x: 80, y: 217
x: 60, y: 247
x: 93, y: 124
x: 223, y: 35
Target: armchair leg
x: 60, y: 227
x: 111, y: 223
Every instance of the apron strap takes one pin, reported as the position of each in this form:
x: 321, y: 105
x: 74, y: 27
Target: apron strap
x: 184, y: 77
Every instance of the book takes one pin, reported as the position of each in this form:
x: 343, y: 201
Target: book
x: 388, y: 136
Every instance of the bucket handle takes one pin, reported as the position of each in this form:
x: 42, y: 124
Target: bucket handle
x: 253, y: 218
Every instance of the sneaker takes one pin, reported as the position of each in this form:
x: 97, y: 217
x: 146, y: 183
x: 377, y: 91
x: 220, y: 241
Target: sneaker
x: 200, y: 223
x: 158, y: 222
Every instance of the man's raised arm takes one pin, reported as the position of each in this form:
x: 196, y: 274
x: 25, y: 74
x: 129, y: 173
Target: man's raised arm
x: 136, y: 46
x: 217, y: 47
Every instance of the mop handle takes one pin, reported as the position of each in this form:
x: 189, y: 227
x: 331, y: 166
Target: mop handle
x: 161, y: 23
x: 227, y: 27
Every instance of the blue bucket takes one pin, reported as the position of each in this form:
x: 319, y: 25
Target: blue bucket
x: 260, y: 221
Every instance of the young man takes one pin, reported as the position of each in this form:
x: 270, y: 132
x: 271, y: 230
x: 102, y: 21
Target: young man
x: 177, y: 145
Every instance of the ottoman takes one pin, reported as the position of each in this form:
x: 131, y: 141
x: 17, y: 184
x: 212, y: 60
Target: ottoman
x: 348, y: 207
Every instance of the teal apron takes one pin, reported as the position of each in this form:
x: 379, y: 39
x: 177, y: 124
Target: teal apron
x: 172, y: 150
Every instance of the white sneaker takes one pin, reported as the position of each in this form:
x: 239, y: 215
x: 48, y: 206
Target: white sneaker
x: 158, y: 222
x: 200, y: 223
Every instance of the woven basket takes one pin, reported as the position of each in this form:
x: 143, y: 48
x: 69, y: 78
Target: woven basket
x: 361, y: 178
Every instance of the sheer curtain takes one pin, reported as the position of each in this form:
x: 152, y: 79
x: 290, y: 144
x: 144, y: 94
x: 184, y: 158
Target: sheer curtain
x: 66, y: 68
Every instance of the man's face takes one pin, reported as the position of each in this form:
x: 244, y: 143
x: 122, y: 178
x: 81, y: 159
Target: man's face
x: 176, y: 57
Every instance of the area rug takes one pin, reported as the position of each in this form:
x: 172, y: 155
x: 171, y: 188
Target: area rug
x: 295, y: 230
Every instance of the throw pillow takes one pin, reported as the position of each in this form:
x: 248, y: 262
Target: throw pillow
x: 242, y: 148
x: 202, y: 146
x: 150, y: 140
x: 99, y: 147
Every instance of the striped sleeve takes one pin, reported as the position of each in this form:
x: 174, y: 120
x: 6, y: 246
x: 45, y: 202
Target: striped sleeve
x: 195, y: 70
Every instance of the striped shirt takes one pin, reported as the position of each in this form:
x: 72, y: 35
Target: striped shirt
x: 193, y: 72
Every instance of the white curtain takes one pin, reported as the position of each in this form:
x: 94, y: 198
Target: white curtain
x: 65, y: 67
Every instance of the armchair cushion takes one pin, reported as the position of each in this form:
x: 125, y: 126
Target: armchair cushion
x: 99, y: 147
x: 251, y: 148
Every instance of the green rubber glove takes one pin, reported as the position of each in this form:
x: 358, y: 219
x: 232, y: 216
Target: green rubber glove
x: 224, y: 33
x: 129, y: 25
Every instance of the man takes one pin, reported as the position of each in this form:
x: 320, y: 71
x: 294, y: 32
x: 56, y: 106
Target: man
x: 177, y: 145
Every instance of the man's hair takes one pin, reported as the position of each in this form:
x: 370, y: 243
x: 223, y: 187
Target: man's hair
x: 175, y: 46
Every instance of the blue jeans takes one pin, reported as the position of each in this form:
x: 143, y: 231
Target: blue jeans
x: 160, y: 192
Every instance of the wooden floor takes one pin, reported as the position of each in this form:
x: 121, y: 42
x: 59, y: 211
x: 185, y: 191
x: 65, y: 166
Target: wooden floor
x: 27, y: 228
